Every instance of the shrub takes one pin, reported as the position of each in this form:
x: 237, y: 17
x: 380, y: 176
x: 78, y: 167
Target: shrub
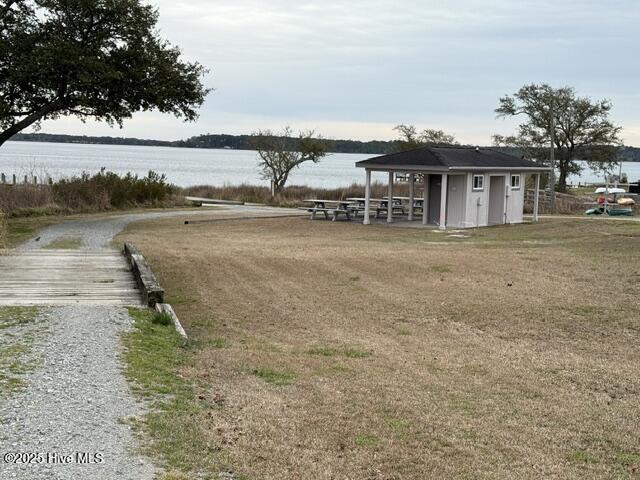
x: 106, y: 190
x: 87, y: 193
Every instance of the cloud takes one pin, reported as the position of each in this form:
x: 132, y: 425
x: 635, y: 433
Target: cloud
x: 361, y: 64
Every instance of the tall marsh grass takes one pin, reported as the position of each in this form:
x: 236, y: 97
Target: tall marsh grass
x: 293, y: 195
x: 88, y: 193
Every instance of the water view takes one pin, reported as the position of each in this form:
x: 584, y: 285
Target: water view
x: 188, y: 166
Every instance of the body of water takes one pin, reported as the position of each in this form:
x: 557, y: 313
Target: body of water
x: 191, y: 166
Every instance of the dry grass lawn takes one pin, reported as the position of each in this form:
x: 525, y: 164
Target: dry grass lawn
x: 336, y: 351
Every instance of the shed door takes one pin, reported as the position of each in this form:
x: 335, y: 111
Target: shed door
x: 456, y: 200
x: 497, y: 195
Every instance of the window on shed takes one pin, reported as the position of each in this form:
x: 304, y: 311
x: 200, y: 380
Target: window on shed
x: 515, y: 182
x: 478, y: 182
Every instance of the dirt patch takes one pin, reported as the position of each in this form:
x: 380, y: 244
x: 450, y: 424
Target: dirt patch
x: 340, y: 351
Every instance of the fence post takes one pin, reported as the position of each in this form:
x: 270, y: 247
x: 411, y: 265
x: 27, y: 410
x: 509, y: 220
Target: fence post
x: 26, y: 179
x: 3, y: 178
x: 14, y: 178
x: 3, y: 232
x: 35, y: 180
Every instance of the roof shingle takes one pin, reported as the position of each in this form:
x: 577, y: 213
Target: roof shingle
x: 446, y: 158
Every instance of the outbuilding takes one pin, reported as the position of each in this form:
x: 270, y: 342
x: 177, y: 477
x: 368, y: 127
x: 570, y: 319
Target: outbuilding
x: 462, y: 186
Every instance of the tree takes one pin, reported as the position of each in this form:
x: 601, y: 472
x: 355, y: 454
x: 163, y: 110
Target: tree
x: 410, y: 138
x: 280, y: 153
x: 582, y: 129
x: 100, y: 59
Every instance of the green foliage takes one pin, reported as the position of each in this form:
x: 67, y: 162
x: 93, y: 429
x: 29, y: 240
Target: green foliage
x: 12, y: 316
x: 349, y: 352
x: 273, y: 377
x: 162, y: 318
x: 323, y: 351
x: 357, y: 353
x: 582, y: 456
x: 107, y: 189
x: 152, y: 358
x: 582, y: 128
x: 12, y: 362
x: 101, y: 59
x: 366, y: 440
x: 441, y: 268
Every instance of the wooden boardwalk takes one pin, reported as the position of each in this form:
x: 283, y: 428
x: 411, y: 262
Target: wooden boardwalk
x: 66, y: 277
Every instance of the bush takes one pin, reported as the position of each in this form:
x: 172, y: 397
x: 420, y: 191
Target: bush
x: 87, y: 193
x: 106, y: 190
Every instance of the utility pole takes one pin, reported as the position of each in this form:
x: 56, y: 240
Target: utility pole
x: 552, y: 179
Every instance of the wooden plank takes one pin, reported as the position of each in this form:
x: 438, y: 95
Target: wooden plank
x: 64, y: 277
x: 152, y: 292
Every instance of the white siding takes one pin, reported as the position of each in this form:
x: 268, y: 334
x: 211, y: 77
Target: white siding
x: 467, y: 208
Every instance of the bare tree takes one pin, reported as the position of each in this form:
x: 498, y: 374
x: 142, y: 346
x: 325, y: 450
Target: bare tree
x: 410, y: 138
x: 282, y: 153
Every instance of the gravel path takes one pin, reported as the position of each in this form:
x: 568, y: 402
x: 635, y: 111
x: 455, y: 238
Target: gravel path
x: 96, y: 233
x: 75, y: 402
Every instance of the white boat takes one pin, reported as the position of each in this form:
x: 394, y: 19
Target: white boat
x: 610, y: 190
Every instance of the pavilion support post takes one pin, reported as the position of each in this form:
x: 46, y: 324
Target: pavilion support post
x: 425, y: 199
x: 367, y: 198
x: 412, y: 178
x: 390, y: 199
x: 443, y: 202
x: 536, y: 199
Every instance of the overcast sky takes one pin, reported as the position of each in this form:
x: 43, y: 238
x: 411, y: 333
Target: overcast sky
x: 354, y: 69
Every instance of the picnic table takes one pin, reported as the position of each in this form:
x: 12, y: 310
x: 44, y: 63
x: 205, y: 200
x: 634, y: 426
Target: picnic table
x: 396, y: 205
x: 333, y: 207
x: 359, y: 204
x: 418, y: 202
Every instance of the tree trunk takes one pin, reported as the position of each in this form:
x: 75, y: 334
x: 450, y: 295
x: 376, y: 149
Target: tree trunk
x: 28, y: 121
x: 562, y: 179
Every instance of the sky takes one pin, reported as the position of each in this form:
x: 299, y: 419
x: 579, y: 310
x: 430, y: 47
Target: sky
x: 355, y: 69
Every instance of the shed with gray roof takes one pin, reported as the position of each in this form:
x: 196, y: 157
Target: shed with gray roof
x: 462, y: 186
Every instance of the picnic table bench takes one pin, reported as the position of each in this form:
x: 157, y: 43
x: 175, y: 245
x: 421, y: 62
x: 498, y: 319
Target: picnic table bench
x: 396, y: 205
x: 326, y: 207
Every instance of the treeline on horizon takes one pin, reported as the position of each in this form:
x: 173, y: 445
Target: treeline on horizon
x: 243, y: 142
x: 235, y: 142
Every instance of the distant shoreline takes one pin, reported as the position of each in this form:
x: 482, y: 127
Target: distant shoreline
x: 242, y: 142
x: 209, y: 141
